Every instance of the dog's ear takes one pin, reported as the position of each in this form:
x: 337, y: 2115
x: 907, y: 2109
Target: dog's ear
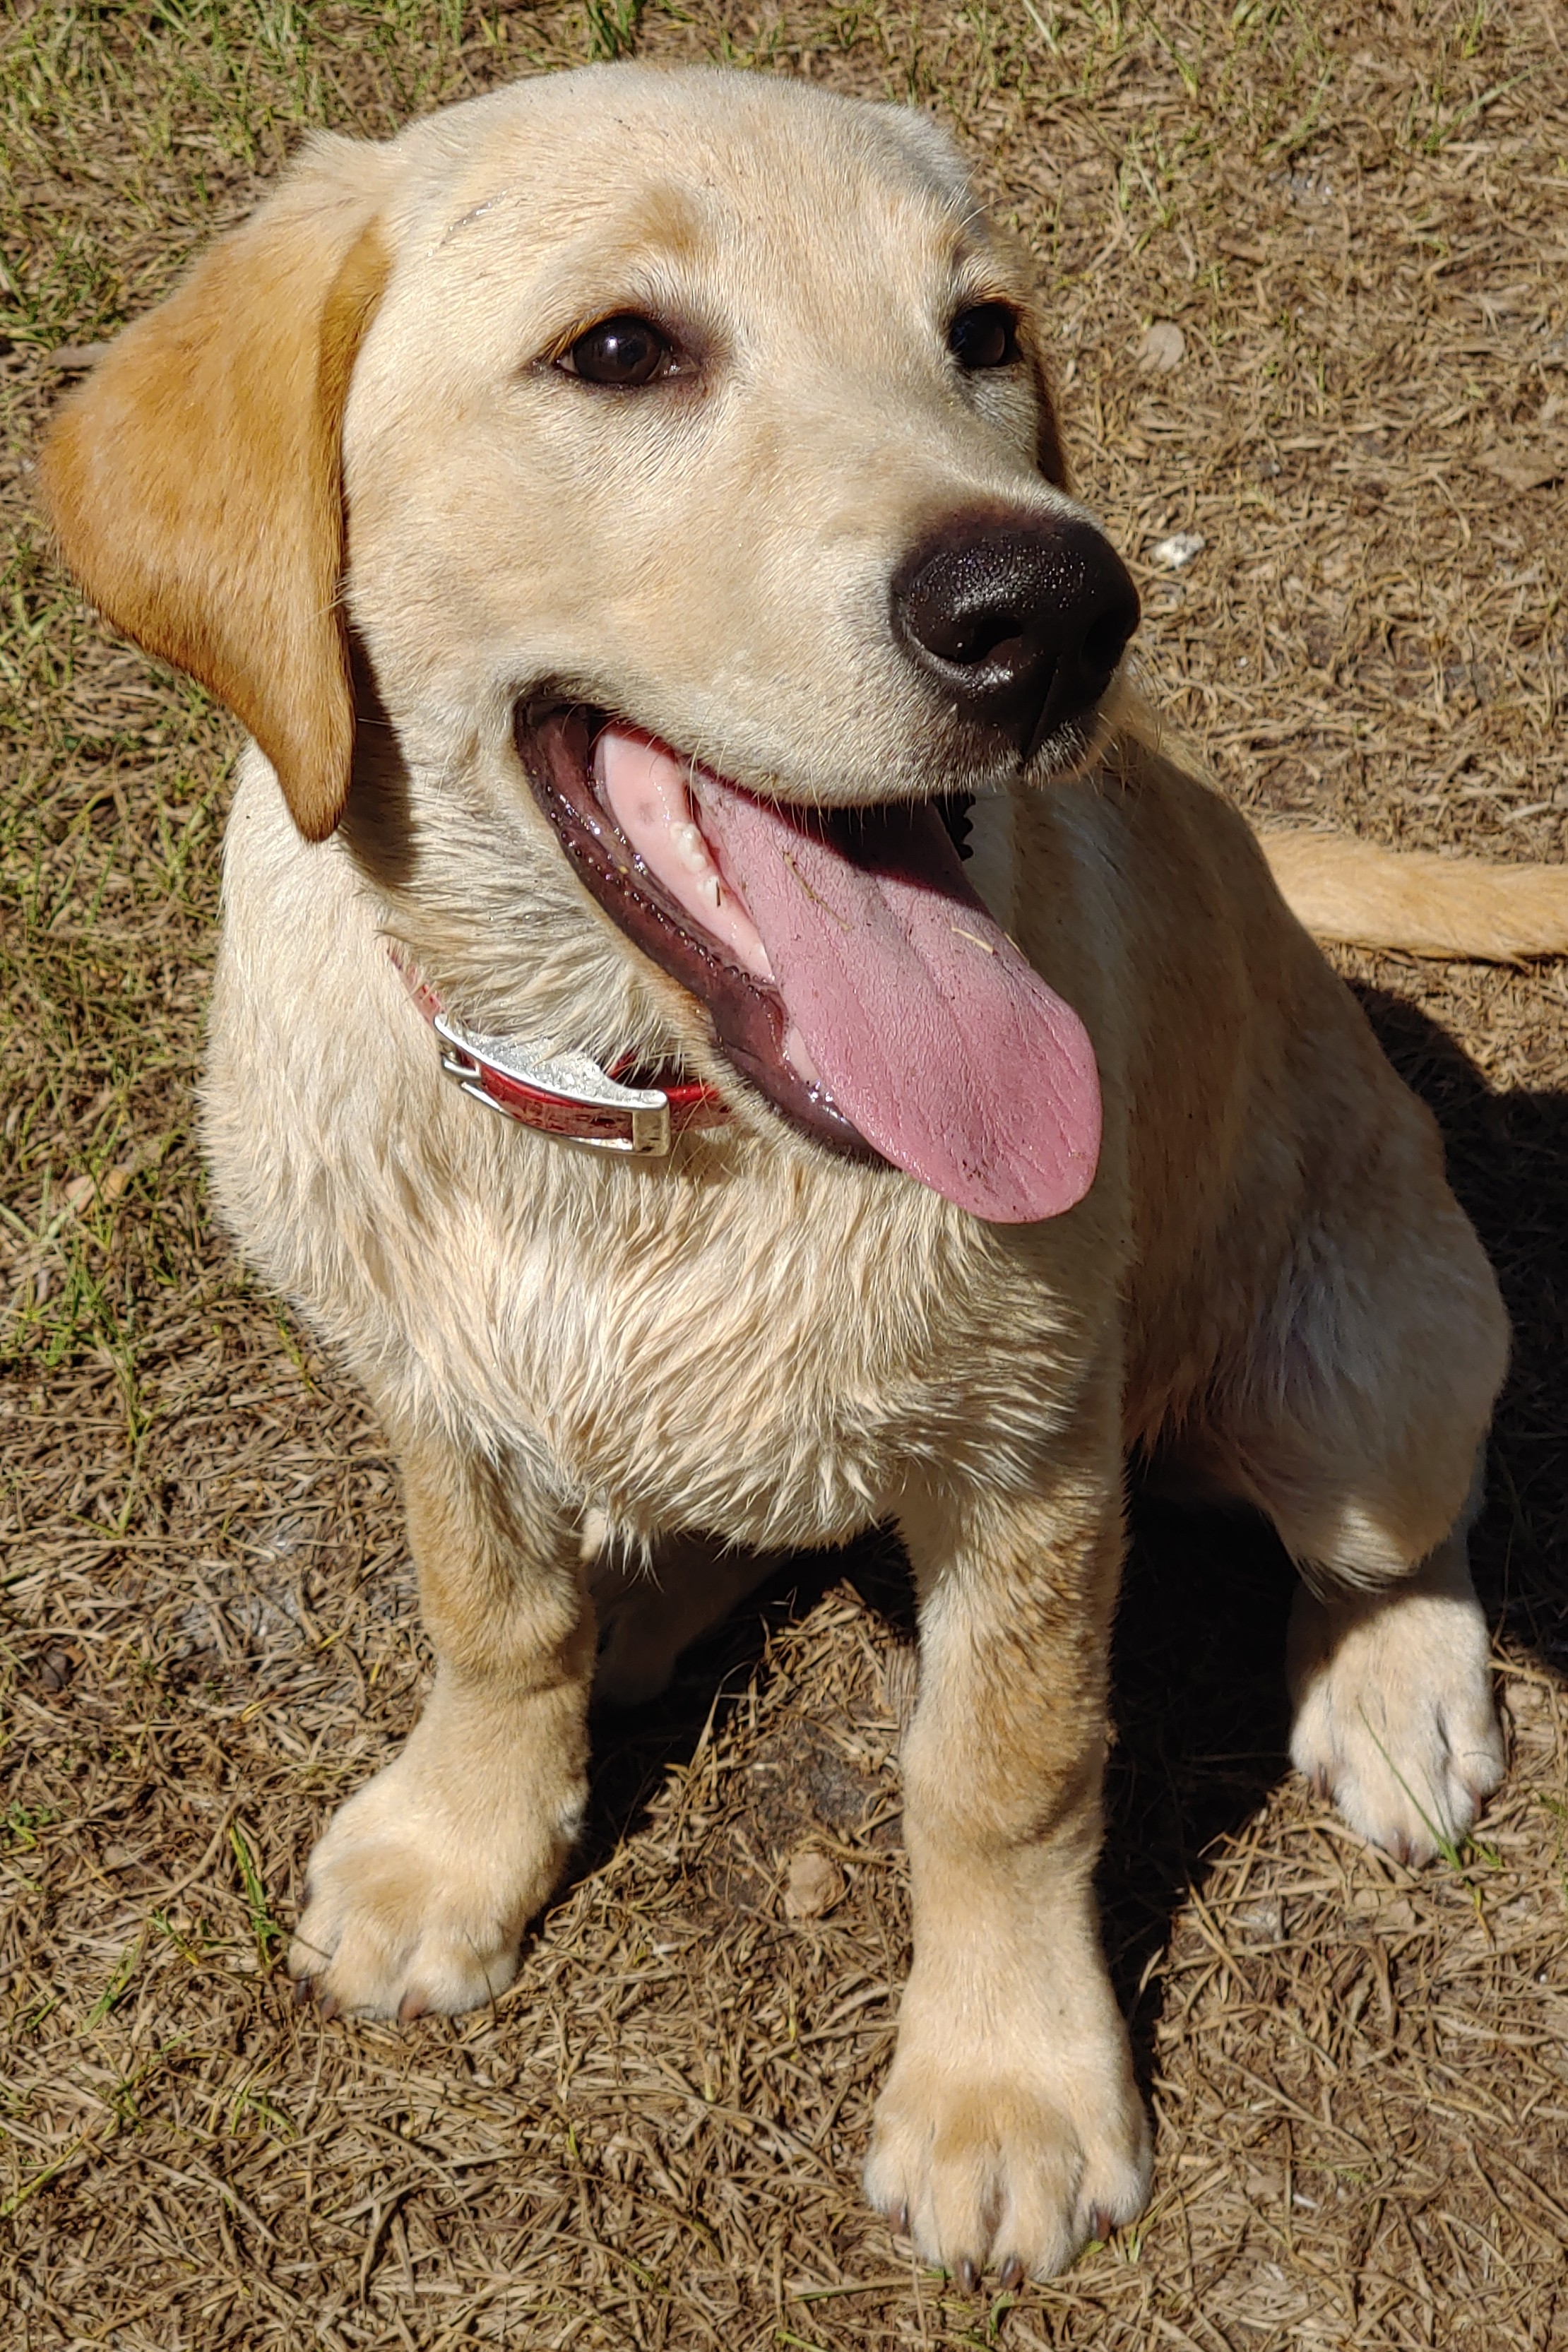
x: 195, y: 481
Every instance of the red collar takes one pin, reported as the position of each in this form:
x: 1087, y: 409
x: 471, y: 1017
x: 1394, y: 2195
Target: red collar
x: 566, y: 1095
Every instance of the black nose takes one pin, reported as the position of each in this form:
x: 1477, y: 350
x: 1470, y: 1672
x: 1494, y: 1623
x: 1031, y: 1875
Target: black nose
x: 1021, y: 622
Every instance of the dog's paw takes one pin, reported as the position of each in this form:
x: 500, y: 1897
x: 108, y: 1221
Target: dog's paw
x: 1014, y: 2171
x: 1394, y: 1716
x: 412, y: 1907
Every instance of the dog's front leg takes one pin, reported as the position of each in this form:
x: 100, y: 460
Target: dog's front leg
x: 1011, y: 2129
x: 418, y: 1893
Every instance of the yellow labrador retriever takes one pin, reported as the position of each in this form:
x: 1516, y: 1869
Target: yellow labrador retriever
x: 621, y: 510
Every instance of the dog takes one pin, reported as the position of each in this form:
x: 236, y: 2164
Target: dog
x: 628, y: 514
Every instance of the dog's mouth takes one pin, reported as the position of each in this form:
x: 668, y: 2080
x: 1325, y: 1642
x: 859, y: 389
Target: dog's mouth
x: 852, y: 974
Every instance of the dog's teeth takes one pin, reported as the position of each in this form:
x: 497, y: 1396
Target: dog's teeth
x: 707, y: 891
x: 689, y: 847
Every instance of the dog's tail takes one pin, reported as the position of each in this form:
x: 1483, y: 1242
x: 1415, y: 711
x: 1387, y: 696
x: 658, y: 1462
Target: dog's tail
x: 1341, y: 889
x: 1366, y: 896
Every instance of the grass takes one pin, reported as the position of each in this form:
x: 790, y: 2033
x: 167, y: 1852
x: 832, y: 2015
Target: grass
x: 1353, y: 213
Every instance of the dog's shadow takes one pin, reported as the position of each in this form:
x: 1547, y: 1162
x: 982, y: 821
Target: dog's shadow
x: 1199, y: 1698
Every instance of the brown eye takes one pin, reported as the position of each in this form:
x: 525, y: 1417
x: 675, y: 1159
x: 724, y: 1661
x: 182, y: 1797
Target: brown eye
x: 985, y: 337
x: 625, y: 352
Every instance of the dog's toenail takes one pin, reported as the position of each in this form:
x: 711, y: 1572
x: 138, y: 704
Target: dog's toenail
x: 411, y: 2006
x: 304, y: 1992
x: 328, y: 2010
x: 1100, y: 2225
x: 901, y: 2222
x: 967, y: 2275
x: 1011, y: 2275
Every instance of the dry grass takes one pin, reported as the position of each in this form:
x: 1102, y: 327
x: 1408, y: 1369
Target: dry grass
x: 1356, y: 216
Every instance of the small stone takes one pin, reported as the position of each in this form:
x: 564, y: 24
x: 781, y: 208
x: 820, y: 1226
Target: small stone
x: 1387, y: 1910
x: 1163, y: 348
x: 1174, y: 554
x: 812, y: 1886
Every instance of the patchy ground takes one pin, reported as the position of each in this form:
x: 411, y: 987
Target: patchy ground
x: 1307, y: 265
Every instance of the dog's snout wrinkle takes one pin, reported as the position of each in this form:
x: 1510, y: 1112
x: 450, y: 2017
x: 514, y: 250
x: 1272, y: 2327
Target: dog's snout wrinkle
x: 1020, y: 621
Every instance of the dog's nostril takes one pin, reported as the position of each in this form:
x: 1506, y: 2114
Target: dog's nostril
x: 1020, y: 621
x: 995, y: 638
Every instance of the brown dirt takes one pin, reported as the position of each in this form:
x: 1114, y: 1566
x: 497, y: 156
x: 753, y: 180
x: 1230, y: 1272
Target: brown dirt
x: 1358, y: 218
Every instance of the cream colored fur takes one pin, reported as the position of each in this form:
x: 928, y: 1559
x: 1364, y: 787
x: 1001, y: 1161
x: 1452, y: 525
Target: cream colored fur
x: 1428, y: 905
x: 754, y: 1345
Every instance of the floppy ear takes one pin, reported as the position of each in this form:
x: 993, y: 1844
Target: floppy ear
x: 195, y: 479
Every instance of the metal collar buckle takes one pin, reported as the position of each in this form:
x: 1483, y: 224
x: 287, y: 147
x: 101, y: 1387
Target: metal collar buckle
x: 559, y: 1094
x: 570, y: 1096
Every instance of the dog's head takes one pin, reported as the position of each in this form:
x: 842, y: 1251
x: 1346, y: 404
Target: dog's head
x: 679, y: 449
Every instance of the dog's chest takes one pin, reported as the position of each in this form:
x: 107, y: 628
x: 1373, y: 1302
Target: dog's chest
x: 775, y: 1360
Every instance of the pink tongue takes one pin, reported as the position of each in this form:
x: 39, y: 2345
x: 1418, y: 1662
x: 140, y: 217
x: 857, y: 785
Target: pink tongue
x: 932, y: 1033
